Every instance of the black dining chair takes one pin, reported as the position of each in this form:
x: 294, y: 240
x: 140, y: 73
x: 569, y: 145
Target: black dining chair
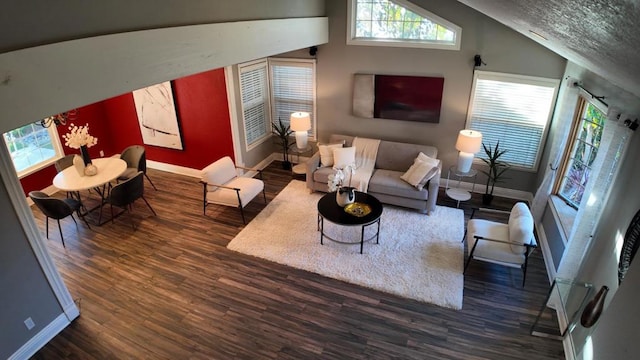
x: 136, y: 159
x: 124, y: 194
x: 56, y: 209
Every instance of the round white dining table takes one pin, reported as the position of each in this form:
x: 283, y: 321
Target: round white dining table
x: 108, y: 170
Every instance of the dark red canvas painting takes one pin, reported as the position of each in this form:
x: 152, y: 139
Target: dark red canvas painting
x: 412, y: 98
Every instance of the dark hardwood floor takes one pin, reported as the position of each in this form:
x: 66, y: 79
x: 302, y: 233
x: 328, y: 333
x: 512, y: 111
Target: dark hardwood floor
x: 171, y: 290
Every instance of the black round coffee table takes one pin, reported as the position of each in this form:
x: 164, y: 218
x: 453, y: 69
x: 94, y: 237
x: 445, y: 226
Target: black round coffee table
x: 328, y: 209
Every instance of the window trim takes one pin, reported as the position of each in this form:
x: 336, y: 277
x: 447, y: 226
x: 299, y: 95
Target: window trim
x: 57, y: 147
x: 581, y: 106
x: 247, y: 67
x: 314, y: 127
x: 423, y: 44
x: 522, y: 79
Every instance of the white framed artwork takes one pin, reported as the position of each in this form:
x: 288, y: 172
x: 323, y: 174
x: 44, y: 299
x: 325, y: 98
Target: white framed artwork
x: 157, y: 116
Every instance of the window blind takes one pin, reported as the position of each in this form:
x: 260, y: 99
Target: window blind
x: 292, y: 89
x: 254, y: 92
x: 514, y: 110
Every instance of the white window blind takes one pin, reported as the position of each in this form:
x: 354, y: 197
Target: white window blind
x: 514, y: 110
x: 255, y: 106
x: 292, y: 89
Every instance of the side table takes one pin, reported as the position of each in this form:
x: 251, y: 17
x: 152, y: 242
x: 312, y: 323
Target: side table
x: 299, y: 168
x: 457, y: 193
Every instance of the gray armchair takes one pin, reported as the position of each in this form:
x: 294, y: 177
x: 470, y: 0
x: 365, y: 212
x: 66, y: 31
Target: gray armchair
x: 136, y: 158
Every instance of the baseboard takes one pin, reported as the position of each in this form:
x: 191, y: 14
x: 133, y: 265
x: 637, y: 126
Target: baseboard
x: 27, y: 350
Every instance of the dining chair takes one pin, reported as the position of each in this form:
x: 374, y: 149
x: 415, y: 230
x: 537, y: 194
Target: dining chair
x: 223, y: 186
x: 64, y: 162
x: 56, y: 209
x: 136, y: 159
x: 124, y: 194
x: 508, y: 244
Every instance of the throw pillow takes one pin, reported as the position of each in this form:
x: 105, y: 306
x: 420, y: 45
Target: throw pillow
x: 342, y: 157
x: 435, y: 163
x: 422, y: 170
x: 326, y: 153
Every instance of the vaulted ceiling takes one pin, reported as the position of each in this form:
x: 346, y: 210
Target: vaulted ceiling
x: 601, y: 35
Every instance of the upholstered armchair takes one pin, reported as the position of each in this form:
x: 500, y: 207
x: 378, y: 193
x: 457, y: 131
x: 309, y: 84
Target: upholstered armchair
x: 508, y: 244
x: 223, y: 186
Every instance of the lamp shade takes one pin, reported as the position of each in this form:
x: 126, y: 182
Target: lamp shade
x: 300, y: 121
x: 469, y: 141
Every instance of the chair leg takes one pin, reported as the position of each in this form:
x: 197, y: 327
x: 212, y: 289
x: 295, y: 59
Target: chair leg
x: 470, y: 256
x: 151, y: 182
x: 74, y: 220
x: 264, y: 195
x: 61, y: 237
x: 149, y: 205
x: 524, y: 270
x: 242, y: 214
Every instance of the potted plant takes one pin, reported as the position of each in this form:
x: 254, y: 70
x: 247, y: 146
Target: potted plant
x: 496, y: 170
x: 283, y: 132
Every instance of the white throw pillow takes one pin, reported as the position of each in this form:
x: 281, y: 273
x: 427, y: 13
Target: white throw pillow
x: 326, y: 153
x: 435, y: 166
x: 422, y: 170
x: 342, y: 157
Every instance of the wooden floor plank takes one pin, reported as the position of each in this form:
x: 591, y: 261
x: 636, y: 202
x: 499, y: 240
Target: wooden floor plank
x: 171, y: 289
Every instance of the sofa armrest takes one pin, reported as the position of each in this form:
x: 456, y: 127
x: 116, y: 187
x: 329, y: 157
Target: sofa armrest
x: 434, y: 188
x: 312, y: 165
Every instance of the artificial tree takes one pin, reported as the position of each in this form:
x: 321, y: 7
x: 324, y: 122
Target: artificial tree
x: 496, y: 170
x: 283, y: 133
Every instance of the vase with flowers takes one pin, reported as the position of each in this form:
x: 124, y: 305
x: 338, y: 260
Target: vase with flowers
x: 344, y: 194
x: 78, y: 137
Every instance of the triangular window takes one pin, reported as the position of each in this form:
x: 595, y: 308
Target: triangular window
x: 399, y: 23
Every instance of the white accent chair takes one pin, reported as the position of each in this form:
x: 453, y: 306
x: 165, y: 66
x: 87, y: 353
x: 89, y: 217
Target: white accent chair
x: 223, y: 186
x: 503, y: 244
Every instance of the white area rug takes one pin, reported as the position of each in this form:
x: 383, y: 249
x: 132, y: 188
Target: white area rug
x: 418, y: 257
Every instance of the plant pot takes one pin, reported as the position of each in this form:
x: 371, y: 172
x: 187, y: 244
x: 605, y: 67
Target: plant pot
x: 286, y: 165
x: 487, y: 199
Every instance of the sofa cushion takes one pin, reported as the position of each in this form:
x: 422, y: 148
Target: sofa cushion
x: 399, y: 156
x: 389, y: 182
x: 343, y: 157
x: 321, y: 175
x: 326, y: 153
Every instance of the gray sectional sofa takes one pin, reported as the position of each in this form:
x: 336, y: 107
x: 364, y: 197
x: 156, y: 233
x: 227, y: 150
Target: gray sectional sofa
x: 393, y: 160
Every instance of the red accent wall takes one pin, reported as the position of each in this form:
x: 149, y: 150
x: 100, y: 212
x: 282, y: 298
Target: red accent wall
x: 203, y: 115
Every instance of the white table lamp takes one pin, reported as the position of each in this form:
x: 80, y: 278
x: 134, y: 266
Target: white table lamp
x: 300, y: 123
x: 468, y: 143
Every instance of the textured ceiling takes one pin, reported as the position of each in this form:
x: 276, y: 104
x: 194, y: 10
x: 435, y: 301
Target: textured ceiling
x: 602, y: 36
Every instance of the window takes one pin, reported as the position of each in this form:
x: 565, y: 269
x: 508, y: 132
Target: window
x: 581, y: 152
x: 271, y: 93
x: 292, y: 89
x: 255, y: 102
x: 514, y: 110
x: 32, y: 147
x: 399, y: 23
